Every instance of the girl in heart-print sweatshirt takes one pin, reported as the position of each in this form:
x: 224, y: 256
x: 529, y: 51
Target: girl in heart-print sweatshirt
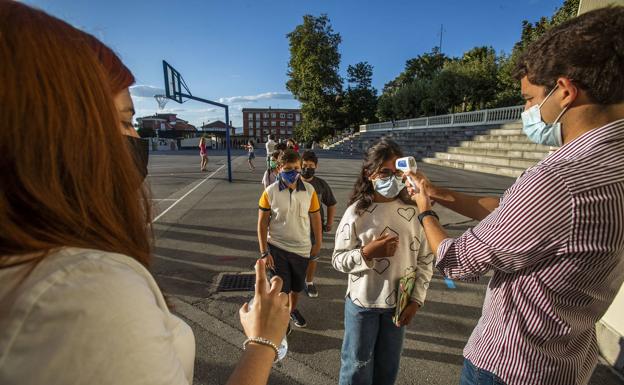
x: 378, y: 241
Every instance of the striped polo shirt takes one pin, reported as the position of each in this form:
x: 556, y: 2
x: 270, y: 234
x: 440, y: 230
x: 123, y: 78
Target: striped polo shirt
x: 289, y: 228
x: 555, y: 245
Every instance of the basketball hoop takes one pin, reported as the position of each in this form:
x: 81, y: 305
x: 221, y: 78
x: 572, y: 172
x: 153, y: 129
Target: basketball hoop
x: 161, y: 100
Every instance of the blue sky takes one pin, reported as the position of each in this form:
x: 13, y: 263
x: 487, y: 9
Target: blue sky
x: 236, y: 51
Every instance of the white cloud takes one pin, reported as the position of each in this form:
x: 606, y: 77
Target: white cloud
x: 255, y: 98
x: 145, y: 91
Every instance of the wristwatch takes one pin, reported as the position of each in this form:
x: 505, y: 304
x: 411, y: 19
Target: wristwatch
x: 264, y: 254
x: 424, y: 214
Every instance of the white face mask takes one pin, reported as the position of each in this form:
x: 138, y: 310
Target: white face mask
x: 537, y: 130
x: 390, y: 187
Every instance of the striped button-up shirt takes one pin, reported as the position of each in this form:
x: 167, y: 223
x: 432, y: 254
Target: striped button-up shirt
x: 555, y: 245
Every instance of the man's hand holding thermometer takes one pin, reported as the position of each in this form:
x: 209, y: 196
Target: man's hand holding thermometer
x: 408, y: 166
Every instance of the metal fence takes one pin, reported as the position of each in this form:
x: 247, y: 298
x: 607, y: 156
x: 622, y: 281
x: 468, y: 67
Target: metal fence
x: 473, y: 118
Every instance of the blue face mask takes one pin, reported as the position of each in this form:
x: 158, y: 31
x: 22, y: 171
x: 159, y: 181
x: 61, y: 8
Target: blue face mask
x: 390, y: 187
x: 289, y: 177
x: 537, y: 130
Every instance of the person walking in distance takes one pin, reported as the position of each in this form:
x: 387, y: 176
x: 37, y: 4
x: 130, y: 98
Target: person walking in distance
x: 270, y: 148
x: 203, y: 154
x: 250, y: 154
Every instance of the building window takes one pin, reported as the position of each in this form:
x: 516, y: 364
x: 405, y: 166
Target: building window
x: 257, y: 124
x: 250, y: 116
x: 265, y: 123
x: 289, y: 116
x: 265, y: 115
x: 282, y: 115
x: 298, y: 117
x: 273, y: 124
x: 273, y: 115
x: 290, y: 123
x: 257, y: 115
x: 282, y: 124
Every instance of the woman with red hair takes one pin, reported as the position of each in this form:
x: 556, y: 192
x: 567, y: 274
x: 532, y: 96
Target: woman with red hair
x: 77, y: 302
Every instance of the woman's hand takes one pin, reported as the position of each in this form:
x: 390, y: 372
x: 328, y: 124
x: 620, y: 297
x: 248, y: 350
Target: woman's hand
x: 408, y: 314
x: 269, y: 314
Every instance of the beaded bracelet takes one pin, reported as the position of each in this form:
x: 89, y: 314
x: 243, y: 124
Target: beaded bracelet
x: 261, y: 341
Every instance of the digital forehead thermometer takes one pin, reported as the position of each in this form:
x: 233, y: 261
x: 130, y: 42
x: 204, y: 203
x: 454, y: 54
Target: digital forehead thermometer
x: 406, y: 164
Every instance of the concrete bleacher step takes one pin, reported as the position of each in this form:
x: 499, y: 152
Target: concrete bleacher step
x: 536, y: 155
x: 498, y: 161
x: 525, y: 145
x: 477, y: 167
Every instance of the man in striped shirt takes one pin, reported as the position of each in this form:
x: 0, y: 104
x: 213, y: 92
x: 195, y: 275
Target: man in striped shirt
x: 555, y: 240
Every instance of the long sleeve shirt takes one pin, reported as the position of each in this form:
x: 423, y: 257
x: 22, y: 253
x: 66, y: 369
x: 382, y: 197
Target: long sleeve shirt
x: 555, y: 244
x: 374, y: 284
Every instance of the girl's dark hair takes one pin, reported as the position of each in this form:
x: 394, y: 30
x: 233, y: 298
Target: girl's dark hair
x: 363, y: 191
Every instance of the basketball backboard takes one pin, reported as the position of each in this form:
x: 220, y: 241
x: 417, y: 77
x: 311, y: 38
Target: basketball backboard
x: 175, y: 87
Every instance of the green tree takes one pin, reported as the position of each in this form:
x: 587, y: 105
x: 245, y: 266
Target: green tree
x: 313, y: 76
x: 359, y: 103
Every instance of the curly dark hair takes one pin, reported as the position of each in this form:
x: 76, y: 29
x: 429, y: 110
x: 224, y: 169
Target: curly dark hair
x: 588, y: 50
x: 363, y: 191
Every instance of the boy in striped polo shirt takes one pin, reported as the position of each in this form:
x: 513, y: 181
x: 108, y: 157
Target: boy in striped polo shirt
x: 288, y: 210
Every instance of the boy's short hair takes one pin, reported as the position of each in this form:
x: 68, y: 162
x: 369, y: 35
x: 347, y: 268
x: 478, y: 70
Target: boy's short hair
x: 288, y: 156
x: 588, y: 50
x: 309, y: 156
x: 281, y: 146
x: 275, y: 155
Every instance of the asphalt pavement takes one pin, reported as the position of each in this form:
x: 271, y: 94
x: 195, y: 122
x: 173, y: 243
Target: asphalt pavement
x: 206, y: 226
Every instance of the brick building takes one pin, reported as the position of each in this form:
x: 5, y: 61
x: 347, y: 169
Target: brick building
x: 258, y: 123
x: 167, y: 125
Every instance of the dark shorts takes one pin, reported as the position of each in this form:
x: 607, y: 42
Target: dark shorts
x: 251, y: 156
x: 290, y: 267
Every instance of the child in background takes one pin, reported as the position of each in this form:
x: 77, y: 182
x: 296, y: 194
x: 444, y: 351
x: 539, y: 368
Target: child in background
x: 270, y: 175
x: 289, y: 210
x: 326, y: 197
x: 378, y: 241
x: 250, y: 154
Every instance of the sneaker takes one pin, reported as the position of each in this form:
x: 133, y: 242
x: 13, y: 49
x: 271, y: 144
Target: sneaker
x: 310, y: 290
x: 298, y: 319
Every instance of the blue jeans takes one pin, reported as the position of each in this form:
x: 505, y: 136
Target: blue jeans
x: 471, y: 375
x: 371, y: 349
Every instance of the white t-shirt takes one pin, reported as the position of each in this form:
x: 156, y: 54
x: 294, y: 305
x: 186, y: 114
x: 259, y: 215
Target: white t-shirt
x: 270, y: 147
x: 90, y: 317
x: 374, y: 284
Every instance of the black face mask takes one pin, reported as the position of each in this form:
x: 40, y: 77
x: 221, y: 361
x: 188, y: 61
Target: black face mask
x: 140, y: 152
x: 307, y: 173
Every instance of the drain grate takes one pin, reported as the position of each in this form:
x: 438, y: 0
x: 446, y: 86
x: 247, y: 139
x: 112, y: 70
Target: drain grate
x: 237, y: 282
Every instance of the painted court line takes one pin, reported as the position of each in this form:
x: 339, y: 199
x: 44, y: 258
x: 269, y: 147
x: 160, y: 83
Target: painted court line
x: 185, y: 195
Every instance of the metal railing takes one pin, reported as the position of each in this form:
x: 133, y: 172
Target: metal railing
x: 473, y: 118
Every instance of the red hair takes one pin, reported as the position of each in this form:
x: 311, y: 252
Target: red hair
x: 119, y: 76
x: 76, y: 187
